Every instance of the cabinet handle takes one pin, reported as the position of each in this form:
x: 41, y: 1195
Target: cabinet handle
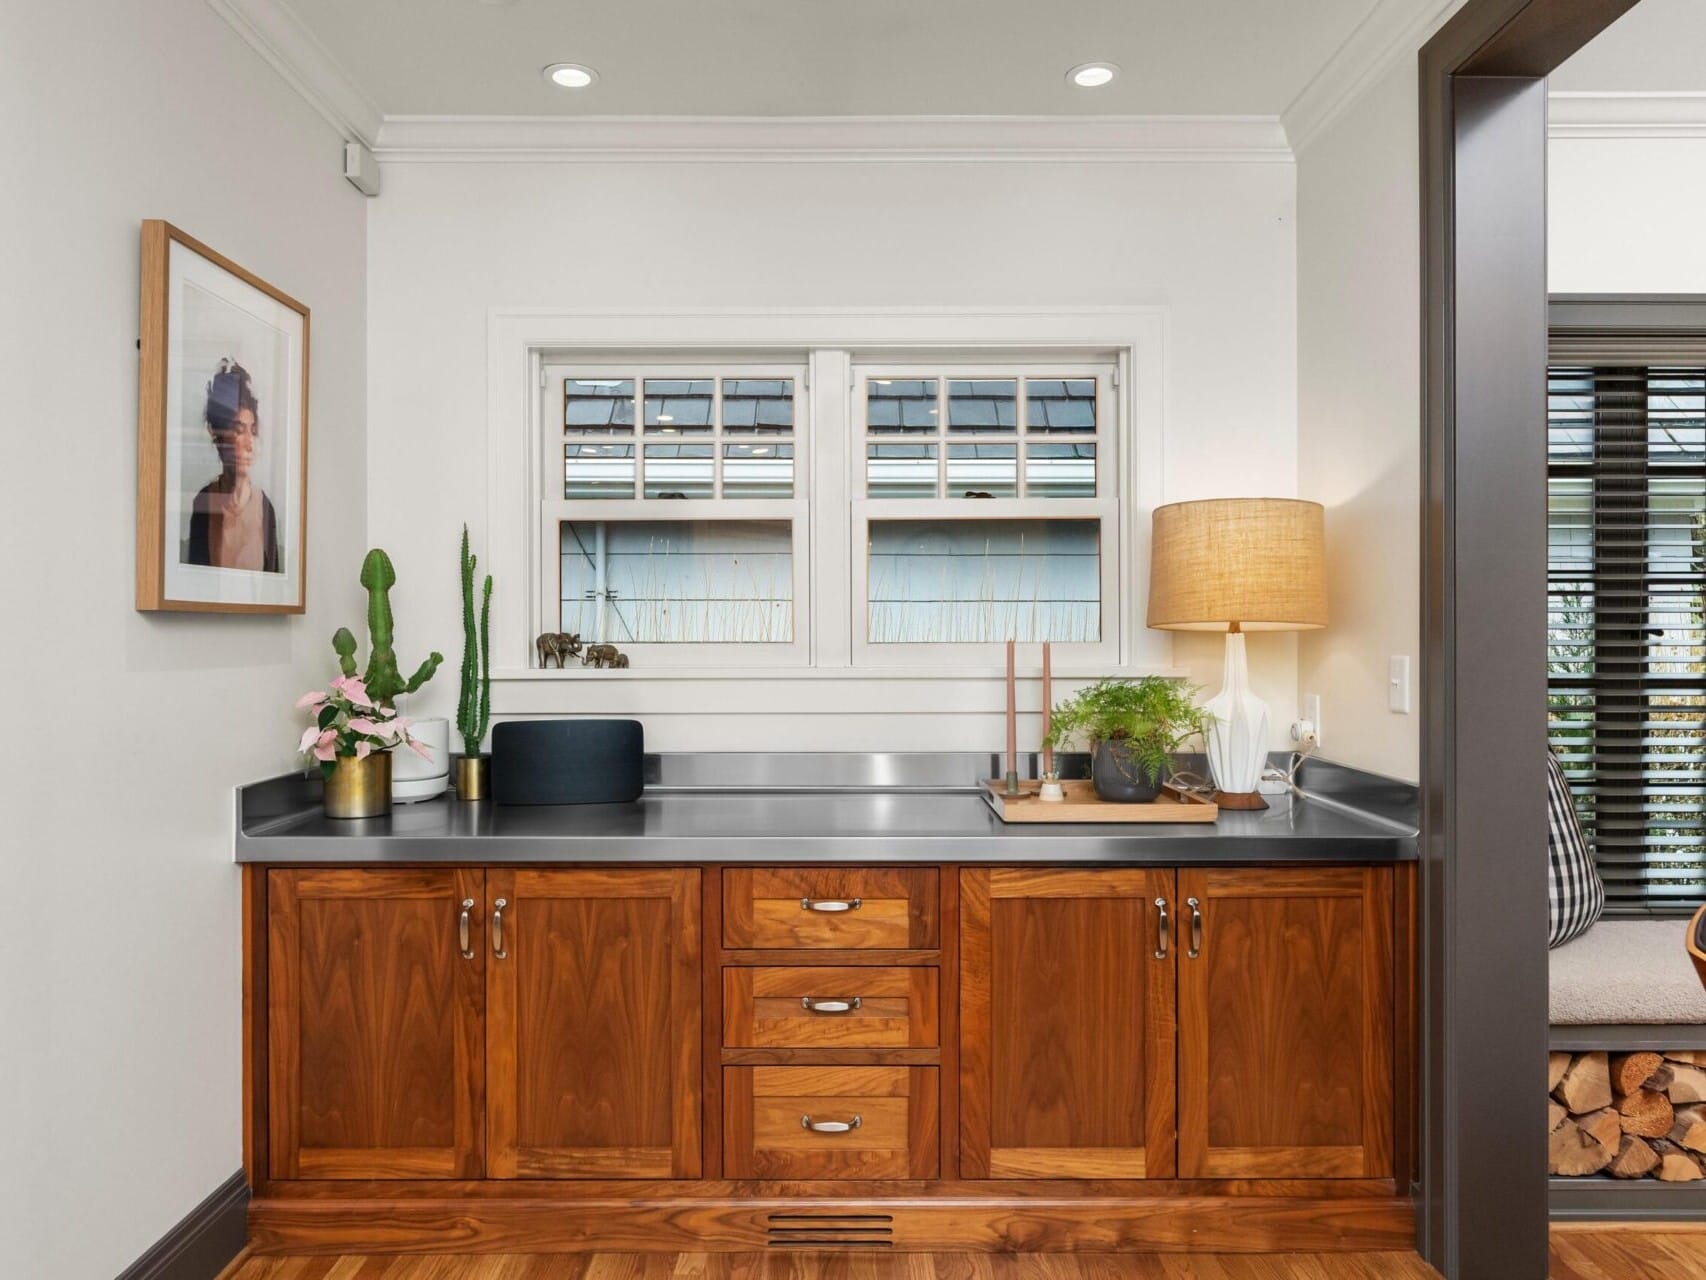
x: 831, y: 1126
x: 830, y: 906
x: 498, y: 929
x: 840, y: 1004
x: 1166, y: 928
x: 462, y: 928
x: 1196, y: 928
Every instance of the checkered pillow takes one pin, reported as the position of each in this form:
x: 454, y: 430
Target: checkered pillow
x: 1574, y: 893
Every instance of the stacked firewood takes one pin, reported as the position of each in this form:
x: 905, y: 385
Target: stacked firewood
x: 1629, y: 1115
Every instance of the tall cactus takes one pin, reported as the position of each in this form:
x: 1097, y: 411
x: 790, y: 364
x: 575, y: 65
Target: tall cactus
x: 474, y: 707
x: 383, y: 680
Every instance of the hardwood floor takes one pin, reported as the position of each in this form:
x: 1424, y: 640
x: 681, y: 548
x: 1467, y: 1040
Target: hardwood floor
x: 1614, y: 1253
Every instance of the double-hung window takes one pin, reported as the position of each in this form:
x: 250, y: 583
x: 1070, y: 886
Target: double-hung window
x: 723, y: 513
x: 985, y: 509
x: 1626, y: 581
x: 674, y: 520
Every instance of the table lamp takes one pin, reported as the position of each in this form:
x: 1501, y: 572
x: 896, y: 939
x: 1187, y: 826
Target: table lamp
x: 1238, y: 565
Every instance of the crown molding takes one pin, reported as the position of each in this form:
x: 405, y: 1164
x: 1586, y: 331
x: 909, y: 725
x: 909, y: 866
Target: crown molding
x: 1626, y: 115
x: 278, y: 35
x: 877, y: 139
x: 1392, y: 30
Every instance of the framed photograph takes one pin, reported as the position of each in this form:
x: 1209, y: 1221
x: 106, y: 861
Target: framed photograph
x: 222, y: 435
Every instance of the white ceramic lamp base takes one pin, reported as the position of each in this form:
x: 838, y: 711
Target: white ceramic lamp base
x: 1237, y: 733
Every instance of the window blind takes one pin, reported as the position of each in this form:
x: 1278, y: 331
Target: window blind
x: 1626, y: 583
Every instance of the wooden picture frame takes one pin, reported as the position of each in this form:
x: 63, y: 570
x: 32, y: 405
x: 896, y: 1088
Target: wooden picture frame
x: 222, y: 434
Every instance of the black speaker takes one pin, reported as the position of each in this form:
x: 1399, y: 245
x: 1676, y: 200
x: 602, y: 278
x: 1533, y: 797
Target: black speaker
x: 568, y: 761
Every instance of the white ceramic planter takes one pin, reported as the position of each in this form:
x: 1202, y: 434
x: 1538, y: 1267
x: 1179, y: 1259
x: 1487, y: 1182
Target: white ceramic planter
x: 413, y: 778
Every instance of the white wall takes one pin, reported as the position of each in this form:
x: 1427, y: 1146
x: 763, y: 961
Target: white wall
x: 1213, y: 242
x: 1602, y: 239
x: 1359, y: 414
x: 120, y: 1005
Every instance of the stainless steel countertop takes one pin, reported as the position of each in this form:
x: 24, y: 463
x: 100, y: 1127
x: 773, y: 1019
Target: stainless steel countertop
x: 275, y: 825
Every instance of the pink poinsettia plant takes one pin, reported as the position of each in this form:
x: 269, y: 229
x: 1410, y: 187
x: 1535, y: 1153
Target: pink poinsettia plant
x: 350, y: 725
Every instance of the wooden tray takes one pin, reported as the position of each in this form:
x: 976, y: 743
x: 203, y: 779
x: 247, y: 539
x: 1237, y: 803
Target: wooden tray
x: 1083, y: 805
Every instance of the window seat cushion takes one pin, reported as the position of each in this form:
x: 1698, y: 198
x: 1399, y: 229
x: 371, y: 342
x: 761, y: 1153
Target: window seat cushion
x: 1627, y: 971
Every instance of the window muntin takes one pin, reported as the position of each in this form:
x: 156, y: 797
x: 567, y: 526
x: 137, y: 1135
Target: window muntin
x: 1626, y: 645
x: 604, y: 455
x: 1025, y: 435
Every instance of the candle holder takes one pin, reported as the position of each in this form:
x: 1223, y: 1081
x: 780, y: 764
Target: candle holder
x: 1013, y: 787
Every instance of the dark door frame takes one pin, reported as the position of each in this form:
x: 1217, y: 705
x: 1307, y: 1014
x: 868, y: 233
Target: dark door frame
x: 1482, y: 1209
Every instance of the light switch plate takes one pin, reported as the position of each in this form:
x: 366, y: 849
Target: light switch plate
x: 1398, y: 684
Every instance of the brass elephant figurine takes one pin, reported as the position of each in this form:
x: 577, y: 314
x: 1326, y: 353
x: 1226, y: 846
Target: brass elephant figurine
x: 559, y: 645
x: 605, y: 655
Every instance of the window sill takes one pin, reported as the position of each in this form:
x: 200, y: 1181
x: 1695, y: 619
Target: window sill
x: 1027, y: 672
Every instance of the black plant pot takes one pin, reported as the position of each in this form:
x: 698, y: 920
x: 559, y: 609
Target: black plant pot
x: 1120, y: 779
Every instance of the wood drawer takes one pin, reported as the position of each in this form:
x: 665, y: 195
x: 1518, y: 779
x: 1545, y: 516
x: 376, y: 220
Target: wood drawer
x: 832, y: 908
x: 766, y: 1111
x: 892, y: 1008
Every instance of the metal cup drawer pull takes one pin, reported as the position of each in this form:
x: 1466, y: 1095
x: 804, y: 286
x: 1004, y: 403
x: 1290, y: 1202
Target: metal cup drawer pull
x: 830, y: 906
x: 838, y: 1004
x: 831, y: 1126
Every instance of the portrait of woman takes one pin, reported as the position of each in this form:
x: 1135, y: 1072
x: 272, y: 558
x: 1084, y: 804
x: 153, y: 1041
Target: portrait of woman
x: 232, y: 521
x: 222, y: 453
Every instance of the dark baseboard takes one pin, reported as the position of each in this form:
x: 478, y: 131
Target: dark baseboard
x: 203, y: 1244
x: 1610, y: 1200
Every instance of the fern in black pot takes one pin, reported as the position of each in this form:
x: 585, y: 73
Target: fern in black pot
x: 1133, y: 727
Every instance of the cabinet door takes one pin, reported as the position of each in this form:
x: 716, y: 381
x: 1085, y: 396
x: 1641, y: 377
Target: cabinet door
x: 1066, y: 1024
x: 1285, y: 1023
x: 375, y: 1024
x: 593, y: 1042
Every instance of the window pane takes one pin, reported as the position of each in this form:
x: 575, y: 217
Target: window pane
x: 981, y: 581
x: 982, y: 470
x: 598, y: 470
x: 598, y: 404
x: 1060, y: 471
x: 901, y: 404
x: 758, y: 470
x: 758, y: 404
x: 678, y: 582
x: 679, y: 471
x: 1060, y: 404
x: 681, y: 405
x: 984, y: 404
x: 900, y: 471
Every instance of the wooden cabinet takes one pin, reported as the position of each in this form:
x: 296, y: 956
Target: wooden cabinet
x: 376, y: 1024
x: 1285, y: 1023
x: 1066, y: 1008
x: 593, y: 1026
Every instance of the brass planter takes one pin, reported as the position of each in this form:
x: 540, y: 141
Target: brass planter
x: 473, y: 777
x: 360, y: 788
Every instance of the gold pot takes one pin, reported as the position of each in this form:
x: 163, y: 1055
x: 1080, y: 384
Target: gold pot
x: 360, y: 788
x: 473, y: 777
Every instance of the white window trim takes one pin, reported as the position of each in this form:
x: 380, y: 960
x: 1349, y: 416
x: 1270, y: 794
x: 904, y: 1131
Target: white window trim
x: 521, y: 342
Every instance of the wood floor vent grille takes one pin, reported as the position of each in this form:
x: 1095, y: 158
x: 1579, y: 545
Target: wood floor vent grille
x: 830, y: 1231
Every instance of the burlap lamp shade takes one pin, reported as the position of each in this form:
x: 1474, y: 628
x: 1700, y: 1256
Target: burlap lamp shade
x: 1256, y: 562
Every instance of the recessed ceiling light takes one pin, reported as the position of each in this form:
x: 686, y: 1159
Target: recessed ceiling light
x: 570, y: 75
x: 1092, y: 75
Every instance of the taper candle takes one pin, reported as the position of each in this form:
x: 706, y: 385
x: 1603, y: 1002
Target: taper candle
x: 1012, y: 721
x: 1048, y: 712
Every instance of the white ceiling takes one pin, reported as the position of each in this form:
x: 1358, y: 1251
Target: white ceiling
x: 1659, y: 46
x: 831, y: 57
